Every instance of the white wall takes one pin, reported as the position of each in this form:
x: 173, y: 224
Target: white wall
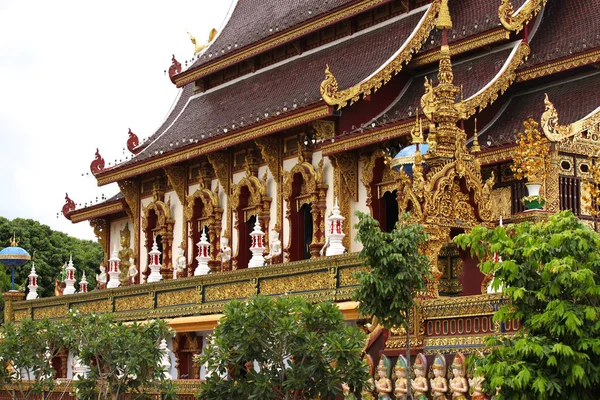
x: 177, y: 215
x: 237, y: 177
x: 361, y: 206
x: 143, y: 264
x: 116, y: 227
x: 285, y: 234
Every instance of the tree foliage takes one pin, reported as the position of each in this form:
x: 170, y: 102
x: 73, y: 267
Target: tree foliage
x: 551, y: 274
x: 397, y: 269
x: 122, y: 358
x: 51, y: 249
x: 26, y: 351
x: 281, y: 348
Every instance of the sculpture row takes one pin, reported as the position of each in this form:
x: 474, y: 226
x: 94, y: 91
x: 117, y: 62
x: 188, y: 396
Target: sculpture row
x: 438, y: 387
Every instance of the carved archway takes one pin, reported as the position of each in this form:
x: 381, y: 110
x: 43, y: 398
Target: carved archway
x: 303, y: 185
x: 185, y: 347
x: 380, y: 183
x: 157, y: 222
x: 203, y: 210
x: 249, y: 198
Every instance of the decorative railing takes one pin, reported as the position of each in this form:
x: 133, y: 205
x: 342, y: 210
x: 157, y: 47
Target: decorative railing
x: 64, y: 390
x: 324, y: 278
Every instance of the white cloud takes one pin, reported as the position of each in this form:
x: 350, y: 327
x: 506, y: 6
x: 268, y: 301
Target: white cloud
x: 75, y: 75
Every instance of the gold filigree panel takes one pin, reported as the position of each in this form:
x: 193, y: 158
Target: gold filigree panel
x: 19, y: 315
x: 230, y: 291
x: 100, y: 306
x: 347, y: 275
x: 133, y: 303
x: 49, y: 312
x: 501, y: 198
x: 179, y: 297
x: 296, y: 283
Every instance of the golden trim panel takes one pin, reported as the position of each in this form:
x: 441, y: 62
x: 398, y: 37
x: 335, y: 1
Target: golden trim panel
x: 97, y: 211
x: 564, y: 64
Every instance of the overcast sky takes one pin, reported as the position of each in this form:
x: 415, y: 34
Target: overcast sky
x: 75, y: 75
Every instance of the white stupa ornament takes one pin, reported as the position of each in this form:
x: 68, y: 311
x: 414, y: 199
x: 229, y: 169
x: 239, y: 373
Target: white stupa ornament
x: 32, y: 284
x: 113, y: 270
x: 70, y: 277
x: 83, y: 283
x: 154, y: 266
x: 258, y: 246
x: 203, y: 257
x: 336, y: 232
x: 165, y: 361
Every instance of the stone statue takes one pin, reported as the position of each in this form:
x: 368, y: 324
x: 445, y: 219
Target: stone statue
x: 439, y: 384
x: 125, y: 254
x: 400, y: 385
x: 225, y: 253
x: 180, y: 265
x: 383, y: 385
x: 101, y: 278
x: 133, y: 271
x: 274, y: 247
x: 419, y: 384
x: 458, y: 384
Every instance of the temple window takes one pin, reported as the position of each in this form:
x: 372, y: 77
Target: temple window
x: 185, y: 347
x: 381, y: 190
x: 158, y: 223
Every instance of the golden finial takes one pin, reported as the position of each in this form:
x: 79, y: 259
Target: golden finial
x: 444, y: 20
x: 199, y: 47
x: 13, y: 240
x: 475, y: 147
x: 417, y: 131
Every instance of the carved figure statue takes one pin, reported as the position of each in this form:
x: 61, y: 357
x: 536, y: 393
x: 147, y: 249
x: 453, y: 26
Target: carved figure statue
x: 383, y: 385
x: 550, y: 124
x: 125, y: 254
x: 400, y: 385
x: 458, y: 384
x: 225, y: 253
x: 275, y: 246
x: 419, y: 384
x: 369, y: 387
x: 180, y: 265
x: 97, y: 164
x: 346, y: 392
x: 133, y: 271
x: 476, y: 384
x: 428, y: 99
x: 101, y: 278
x: 439, y: 384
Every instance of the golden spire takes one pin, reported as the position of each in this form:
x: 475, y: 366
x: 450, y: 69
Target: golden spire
x: 417, y: 131
x: 444, y: 20
x: 475, y: 147
x: 199, y: 47
x: 13, y: 240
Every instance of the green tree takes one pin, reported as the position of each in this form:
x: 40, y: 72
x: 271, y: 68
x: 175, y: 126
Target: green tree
x: 281, y: 348
x: 122, y: 358
x: 397, y: 272
x: 26, y: 352
x: 550, y: 271
x: 50, y: 249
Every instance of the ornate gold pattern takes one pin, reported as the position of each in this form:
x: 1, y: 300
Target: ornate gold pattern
x: 177, y: 176
x: 347, y: 275
x: 131, y: 193
x: 374, y: 136
x: 211, y: 216
x: 101, y: 228
x: 102, y: 306
x: 468, y: 306
x: 184, y: 154
x: 19, y: 315
x: 579, y: 60
x: 313, y: 191
x: 552, y: 184
x: 96, y: 211
x: 164, y: 228
x: 49, y: 312
x: 501, y: 198
x: 133, y: 303
x: 512, y: 21
x: 296, y: 283
x: 329, y: 87
x: 231, y: 291
x: 271, y: 150
x: 388, y: 181
x: 345, y: 188
x: 276, y: 40
x: 166, y: 299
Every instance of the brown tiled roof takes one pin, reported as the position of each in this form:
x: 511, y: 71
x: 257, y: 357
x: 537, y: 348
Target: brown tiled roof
x: 254, y: 20
x: 278, y: 90
x: 568, y: 27
x: 573, y: 98
x: 469, y: 18
x: 473, y: 74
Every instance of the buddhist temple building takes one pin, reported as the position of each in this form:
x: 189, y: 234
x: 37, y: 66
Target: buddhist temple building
x: 295, y: 109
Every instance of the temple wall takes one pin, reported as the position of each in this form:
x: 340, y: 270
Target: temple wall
x: 222, y: 203
x: 285, y: 234
x: 143, y: 252
x: 237, y: 177
x: 116, y: 227
x: 361, y: 206
x: 191, y: 246
x: 177, y: 215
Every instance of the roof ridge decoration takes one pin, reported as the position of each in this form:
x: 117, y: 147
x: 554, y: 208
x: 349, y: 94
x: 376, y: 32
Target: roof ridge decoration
x: 501, y: 82
x: 515, y: 21
x: 330, y: 88
x: 560, y: 133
